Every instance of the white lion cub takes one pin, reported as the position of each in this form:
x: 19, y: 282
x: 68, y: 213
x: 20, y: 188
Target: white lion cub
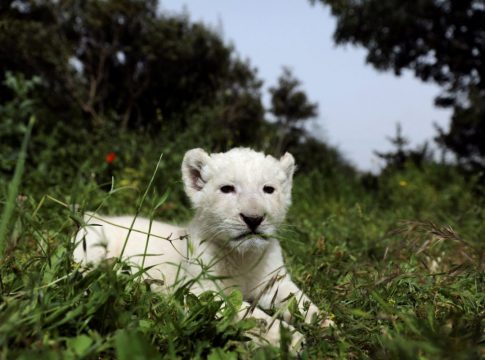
x: 240, y: 198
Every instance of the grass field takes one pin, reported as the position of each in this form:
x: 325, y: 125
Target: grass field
x: 398, y: 267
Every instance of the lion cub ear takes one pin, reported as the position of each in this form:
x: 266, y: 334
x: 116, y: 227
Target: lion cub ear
x: 192, y: 171
x: 287, y: 162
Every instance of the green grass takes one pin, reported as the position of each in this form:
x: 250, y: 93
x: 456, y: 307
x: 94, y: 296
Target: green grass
x: 14, y: 187
x: 399, y: 269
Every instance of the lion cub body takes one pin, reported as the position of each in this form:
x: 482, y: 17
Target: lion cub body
x: 240, y: 199
x: 173, y: 256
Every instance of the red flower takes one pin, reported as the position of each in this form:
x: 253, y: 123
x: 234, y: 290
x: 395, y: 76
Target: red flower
x: 110, y: 157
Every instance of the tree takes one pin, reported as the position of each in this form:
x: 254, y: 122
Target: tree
x: 107, y: 65
x: 290, y: 107
x: 439, y: 40
x: 118, y: 60
x: 402, y: 154
x: 466, y: 136
x: 241, y: 114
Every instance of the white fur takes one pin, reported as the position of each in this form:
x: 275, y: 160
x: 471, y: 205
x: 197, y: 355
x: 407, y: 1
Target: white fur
x: 215, y: 237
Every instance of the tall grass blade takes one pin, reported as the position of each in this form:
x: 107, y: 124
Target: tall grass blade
x: 140, y: 204
x: 13, y: 187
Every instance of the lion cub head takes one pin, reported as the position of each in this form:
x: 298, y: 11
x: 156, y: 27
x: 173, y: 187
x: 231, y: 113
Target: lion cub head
x: 240, y: 196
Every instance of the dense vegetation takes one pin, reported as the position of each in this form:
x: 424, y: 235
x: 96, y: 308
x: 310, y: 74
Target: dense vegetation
x: 89, y: 102
x: 442, y: 41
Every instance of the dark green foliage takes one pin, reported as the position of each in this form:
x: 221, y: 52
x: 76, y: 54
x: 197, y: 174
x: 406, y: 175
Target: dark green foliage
x: 121, y: 61
x: 440, y: 41
x: 402, y: 154
x: 14, y: 115
x: 292, y: 111
x: 108, y: 66
x: 290, y: 107
x: 466, y: 136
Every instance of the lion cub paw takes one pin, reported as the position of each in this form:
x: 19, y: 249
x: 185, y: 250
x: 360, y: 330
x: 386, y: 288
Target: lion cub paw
x: 273, y: 336
x: 327, y: 323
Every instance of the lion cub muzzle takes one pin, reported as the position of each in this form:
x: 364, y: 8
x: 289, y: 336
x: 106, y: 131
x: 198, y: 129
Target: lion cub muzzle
x: 252, y: 221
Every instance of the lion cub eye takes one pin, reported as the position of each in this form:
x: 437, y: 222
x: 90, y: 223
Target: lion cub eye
x: 268, y: 189
x: 226, y: 189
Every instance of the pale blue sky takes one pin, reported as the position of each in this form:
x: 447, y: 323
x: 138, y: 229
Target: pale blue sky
x: 358, y: 106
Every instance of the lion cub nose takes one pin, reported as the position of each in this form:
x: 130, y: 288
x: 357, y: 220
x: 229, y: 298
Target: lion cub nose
x: 252, y: 221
